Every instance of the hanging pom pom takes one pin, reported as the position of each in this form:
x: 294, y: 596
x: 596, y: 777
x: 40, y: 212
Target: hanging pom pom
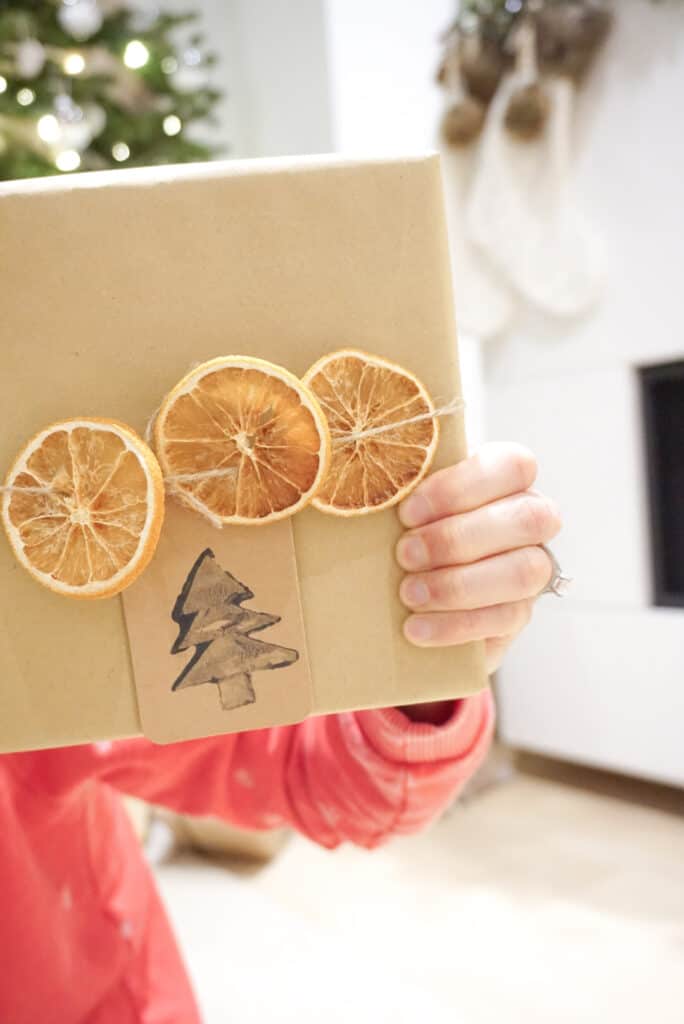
x: 462, y: 122
x: 528, y: 106
x: 527, y: 112
x: 463, y: 115
x: 482, y: 66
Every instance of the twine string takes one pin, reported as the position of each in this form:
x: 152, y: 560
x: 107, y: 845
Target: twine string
x: 203, y: 474
x: 171, y: 482
x: 455, y: 405
x: 26, y: 490
x: 149, y: 426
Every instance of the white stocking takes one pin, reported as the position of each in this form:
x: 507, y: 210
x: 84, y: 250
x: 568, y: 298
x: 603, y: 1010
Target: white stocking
x: 484, y: 302
x: 520, y: 214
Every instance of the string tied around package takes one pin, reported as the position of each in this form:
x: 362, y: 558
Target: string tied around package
x: 455, y: 405
x: 8, y: 489
x: 172, y: 482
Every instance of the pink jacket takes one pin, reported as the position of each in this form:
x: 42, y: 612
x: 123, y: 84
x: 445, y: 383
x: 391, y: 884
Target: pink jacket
x: 83, y: 936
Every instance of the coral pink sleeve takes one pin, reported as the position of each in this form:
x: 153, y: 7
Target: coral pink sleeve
x: 359, y: 777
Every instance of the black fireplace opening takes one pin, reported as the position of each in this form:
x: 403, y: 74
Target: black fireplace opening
x: 662, y: 397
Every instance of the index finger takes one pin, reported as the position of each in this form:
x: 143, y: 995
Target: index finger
x: 496, y: 471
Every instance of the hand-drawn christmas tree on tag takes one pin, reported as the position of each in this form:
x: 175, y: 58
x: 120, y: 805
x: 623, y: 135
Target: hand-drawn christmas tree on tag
x: 211, y: 619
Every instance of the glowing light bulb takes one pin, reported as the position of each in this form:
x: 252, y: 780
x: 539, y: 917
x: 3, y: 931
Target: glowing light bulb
x: 136, y: 54
x: 120, y: 152
x: 48, y: 128
x: 74, y: 63
x: 172, y: 124
x: 3, y: 83
x: 25, y: 97
x: 67, y: 160
x: 169, y: 65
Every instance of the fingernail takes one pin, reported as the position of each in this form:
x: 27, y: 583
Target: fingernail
x: 418, y: 629
x: 415, y: 510
x: 411, y: 553
x: 414, y: 593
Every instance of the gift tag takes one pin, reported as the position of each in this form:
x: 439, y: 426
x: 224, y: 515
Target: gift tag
x: 216, y: 630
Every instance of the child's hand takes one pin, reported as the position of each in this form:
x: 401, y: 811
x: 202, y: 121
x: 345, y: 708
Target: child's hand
x: 471, y: 550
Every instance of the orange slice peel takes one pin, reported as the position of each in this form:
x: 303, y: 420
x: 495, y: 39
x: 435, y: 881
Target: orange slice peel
x: 242, y: 440
x: 383, y: 428
x: 83, y: 506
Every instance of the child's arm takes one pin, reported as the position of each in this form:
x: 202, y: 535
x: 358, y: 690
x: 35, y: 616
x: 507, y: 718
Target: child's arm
x: 360, y: 777
x: 364, y: 776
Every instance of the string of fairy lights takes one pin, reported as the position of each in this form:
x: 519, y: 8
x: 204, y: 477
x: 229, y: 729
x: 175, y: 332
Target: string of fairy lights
x: 82, y: 93
x: 48, y: 127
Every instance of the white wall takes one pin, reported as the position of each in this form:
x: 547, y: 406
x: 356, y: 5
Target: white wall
x: 273, y: 70
x: 630, y: 178
x: 629, y: 173
x: 608, y: 689
x: 336, y: 75
x: 281, y: 90
x: 383, y: 55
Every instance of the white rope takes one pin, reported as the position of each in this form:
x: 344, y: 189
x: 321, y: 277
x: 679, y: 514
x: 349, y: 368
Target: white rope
x: 455, y: 405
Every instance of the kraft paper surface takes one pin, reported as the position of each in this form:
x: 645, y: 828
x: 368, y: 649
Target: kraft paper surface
x: 113, y: 285
x: 216, y: 631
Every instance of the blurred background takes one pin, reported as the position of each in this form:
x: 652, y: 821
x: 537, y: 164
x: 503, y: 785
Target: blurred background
x: 553, y: 890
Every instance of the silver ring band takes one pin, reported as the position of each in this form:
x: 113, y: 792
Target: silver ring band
x: 559, y: 583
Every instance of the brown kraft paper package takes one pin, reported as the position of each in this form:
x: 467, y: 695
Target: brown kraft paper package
x: 113, y: 285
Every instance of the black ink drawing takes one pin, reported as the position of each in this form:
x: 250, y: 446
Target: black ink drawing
x: 210, y: 617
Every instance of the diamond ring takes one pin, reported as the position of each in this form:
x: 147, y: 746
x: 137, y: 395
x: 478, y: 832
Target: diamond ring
x: 559, y: 584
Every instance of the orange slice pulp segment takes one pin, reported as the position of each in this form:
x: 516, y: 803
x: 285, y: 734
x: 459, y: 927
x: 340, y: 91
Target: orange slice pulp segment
x: 242, y: 440
x: 84, y: 506
x: 377, y: 457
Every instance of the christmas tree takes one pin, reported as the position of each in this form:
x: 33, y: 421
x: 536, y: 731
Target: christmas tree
x: 91, y: 84
x: 211, y: 619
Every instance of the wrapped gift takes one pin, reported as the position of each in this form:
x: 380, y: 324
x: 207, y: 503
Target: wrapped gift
x: 114, y: 285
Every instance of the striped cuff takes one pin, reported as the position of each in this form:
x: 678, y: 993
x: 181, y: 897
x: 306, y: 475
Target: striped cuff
x: 399, y: 739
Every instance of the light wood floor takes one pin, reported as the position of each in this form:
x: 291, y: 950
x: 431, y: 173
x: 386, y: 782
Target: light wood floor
x: 542, y: 899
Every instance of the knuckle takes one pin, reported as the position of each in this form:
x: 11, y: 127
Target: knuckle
x: 439, y: 493
x: 510, y: 618
x: 452, y: 588
x: 452, y: 490
x: 526, y: 609
x: 513, y: 617
x: 465, y: 625
x: 534, y: 516
x: 450, y: 540
x: 523, y: 465
x: 441, y: 485
x: 555, y: 519
x: 531, y: 570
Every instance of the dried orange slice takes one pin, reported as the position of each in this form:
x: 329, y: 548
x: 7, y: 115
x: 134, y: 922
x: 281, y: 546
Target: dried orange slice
x: 83, y: 507
x: 242, y: 440
x: 377, y: 457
